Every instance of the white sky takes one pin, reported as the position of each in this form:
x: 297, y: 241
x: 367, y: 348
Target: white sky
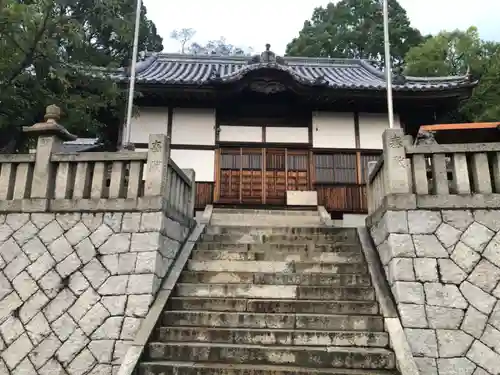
x: 253, y: 23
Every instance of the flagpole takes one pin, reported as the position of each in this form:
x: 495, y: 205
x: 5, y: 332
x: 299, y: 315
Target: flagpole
x: 133, y: 65
x: 388, y: 71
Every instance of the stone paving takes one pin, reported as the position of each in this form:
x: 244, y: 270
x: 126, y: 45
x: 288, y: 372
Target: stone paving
x: 74, y: 288
x: 444, y: 271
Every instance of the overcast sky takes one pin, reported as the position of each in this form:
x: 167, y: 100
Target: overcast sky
x: 253, y: 23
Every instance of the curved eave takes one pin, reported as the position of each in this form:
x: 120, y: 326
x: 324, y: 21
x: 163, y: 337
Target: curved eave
x: 216, y: 72
x: 214, y: 85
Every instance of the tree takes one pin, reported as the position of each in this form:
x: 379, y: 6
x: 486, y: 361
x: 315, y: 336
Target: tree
x: 218, y: 47
x: 354, y: 29
x: 212, y: 47
x: 484, y: 105
x: 49, y: 54
x: 183, y: 36
x: 450, y: 54
x: 454, y: 53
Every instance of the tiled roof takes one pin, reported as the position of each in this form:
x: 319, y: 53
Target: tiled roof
x: 177, y: 69
x: 80, y: 145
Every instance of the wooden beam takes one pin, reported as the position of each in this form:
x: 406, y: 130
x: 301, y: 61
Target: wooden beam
x: 170, y: 113
x: 468, y: 126
x: 217, y: 175
x: 263, y: 171
x: 358, y: 167
x: 241, y: 174
x: 356, y: 129
x: 312, y: 171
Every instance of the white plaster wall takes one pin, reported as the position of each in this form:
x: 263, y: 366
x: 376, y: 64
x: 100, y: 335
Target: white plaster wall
x: 193, y: 126
x: 150, y: 120
x: 202, y: 161
x: 287, y: 135
x: 333, y: 130
x: 229, y: 133
x: 371, y: 127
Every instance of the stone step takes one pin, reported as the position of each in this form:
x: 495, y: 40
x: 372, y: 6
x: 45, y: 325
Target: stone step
x: 319, y: 357
x: 275, y: 291
x: 273, y: 305
x: 275, y: 266
x: 190, y: 368
x: 266, y: 212
x: 266, y: 218
x: 267, y: 221
x: 275, y: 278
x: 257, y: 230
x: 316, y: 256
x: 272, y: 337
x: 278, y: 246
x: 339, y: 322
x: 280, y: 238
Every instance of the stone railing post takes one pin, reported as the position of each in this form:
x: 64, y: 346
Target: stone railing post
x: 369, y: 187
x: 50, y: 135
x: 190, y: 173
x: 157, y: 165
x: 396, y: 168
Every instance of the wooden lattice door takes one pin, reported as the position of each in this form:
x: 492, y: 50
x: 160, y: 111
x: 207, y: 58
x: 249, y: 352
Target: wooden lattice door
x: 230, y: 175
x: 297, y: 170
x: 241, y: 175
x: 255, y: 176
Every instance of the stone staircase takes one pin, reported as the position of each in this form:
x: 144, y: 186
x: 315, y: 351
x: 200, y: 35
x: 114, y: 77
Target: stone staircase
x: 272, y: 300
x: 269, y: 218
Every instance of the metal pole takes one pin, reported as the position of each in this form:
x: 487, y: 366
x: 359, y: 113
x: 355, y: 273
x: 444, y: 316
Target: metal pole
x: 131, y: 90
x: 388, y: 71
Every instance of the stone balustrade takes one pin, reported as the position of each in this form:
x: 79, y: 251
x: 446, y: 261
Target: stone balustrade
x: 444, y: 176
x: 435, y: 221
x: 85, y: 242
x: 48, y: 180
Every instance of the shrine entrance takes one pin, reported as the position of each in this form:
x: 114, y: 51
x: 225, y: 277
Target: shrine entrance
x: 260, y: 175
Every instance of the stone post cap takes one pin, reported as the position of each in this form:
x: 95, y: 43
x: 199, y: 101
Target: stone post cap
x: 50, y: 126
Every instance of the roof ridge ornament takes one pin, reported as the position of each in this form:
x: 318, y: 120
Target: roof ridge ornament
x: 267, y: 57
x: 320, y: 81
x: 214, y: 74
x: 398, y: 77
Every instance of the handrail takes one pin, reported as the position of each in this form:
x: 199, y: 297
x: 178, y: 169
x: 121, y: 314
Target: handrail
x: 93, y: 181
x: 434, y: 170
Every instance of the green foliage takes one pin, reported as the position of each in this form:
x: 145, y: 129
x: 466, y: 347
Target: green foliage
x: 48, y: 48
x: 459, y: 53
x: 354, y: 29
x: 484, y: 105
x: 450, y: 53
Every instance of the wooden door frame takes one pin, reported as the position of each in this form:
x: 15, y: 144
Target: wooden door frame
x: 263, y: 152
x: 217, y: 174
x: 264, y: 172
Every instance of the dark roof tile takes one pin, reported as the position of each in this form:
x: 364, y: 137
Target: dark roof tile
x: 173, y: 69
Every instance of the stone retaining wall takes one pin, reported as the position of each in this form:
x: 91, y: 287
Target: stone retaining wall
x: 74, y: 288
x: 443, y: 267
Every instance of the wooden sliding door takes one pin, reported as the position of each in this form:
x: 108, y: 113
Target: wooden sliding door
x: 275, y: 181
x: 285, y: 170
x: 261, y: 176
x: 297, y: 166
x: 240, y: 175
x: 251, y: 176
